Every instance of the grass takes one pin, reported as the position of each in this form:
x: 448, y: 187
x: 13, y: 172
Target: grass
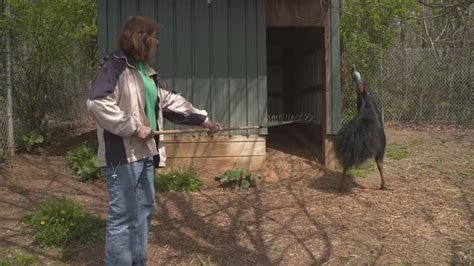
x: 397, y: 151
x: 345, y: 259
x: 181, y: 180
x: 467, y: 173
x: 15, y: 257
x: 62, y: 223
x: 363, y: 170
x: 416, y: 141
x: 66, y: 254
x: 275, y: 248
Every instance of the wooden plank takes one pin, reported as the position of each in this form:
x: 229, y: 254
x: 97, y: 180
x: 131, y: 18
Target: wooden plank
x: 184, y: 139
x: 329, y: 153
x: 220, y: 63
x: 214, y: 149
x: 261, y: 65
x: 217, y: 163
x: 335, y: 66
x: 297, y: 13
x: 237, y: 66
x: 326, y: 139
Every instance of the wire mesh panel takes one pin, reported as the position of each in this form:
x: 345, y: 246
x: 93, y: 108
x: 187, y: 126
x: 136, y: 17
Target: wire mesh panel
x: 3, y: 124
x: 417, y: 85
x: 3, y: 104
x: 62, y: 99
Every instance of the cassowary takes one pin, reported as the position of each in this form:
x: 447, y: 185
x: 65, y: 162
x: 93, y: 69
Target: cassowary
x: 363, y: 137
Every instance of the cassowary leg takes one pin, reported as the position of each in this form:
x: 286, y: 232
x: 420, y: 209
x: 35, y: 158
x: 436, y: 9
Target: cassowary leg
x: 343, y: 178
x: 380, y: 167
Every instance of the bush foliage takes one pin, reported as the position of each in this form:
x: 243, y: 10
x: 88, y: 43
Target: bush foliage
x: 83, y: 162
x: 30, y: 140
x: 185, y: 180
x: 237, y: 178
x: 64, y: 222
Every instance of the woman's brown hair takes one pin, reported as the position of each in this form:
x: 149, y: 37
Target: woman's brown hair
x: 138, y: 38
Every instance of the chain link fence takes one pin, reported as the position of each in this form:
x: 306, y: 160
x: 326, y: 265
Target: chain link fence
x: 3, y: 121
x: 416, y: 86
x: 62, y: 103
x: 3, y: 102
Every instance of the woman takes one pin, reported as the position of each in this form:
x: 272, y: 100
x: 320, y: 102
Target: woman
x: 128, y: 102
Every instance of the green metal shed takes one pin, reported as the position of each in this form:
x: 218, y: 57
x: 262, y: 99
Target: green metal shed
x: 215, y: 53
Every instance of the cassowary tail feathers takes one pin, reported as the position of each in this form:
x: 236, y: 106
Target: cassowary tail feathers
x: 363, y: 137
x: 354, y: 144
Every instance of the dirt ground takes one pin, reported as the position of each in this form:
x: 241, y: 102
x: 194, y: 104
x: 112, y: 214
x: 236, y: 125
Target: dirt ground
x: 295, y: 216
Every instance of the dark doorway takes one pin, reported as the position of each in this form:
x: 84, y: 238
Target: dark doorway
x: 295, y: 82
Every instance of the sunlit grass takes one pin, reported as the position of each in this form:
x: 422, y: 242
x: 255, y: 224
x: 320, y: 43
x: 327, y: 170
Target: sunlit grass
x: 363, y: 170
x: 397, y: 151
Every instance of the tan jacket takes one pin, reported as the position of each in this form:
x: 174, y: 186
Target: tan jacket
x: 117, y: 104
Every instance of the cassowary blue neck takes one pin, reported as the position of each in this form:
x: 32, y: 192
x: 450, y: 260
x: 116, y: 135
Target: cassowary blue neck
x: 361, y: 87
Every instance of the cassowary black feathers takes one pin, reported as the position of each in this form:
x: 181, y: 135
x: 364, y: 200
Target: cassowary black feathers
x: 362, y: 138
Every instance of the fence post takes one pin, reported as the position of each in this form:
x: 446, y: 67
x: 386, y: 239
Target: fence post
x: 8, y: 83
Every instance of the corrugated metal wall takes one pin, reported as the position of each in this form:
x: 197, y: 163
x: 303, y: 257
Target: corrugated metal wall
x: 212, y: 51
x: 309, y: 83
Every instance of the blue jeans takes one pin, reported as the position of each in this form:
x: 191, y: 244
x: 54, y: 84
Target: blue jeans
x: 131, y: 202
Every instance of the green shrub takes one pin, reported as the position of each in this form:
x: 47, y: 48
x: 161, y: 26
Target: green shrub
x: 64, y: 222
x: 240, y: 178
x: 178, y: 180
x: 30, y: 140
x: 83, y: 162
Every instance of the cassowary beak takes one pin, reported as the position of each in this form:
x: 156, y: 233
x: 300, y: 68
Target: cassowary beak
x: 357, y: 79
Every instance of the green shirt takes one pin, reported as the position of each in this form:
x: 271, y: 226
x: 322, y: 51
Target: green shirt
x: 151, y: 95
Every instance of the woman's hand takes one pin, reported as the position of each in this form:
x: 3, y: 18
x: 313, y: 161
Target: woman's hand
x: 212, y: 125
x: 144, y: 132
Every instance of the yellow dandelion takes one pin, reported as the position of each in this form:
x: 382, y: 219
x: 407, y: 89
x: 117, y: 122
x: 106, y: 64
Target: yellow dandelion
x: 42, y: 222
x: 62, y: 212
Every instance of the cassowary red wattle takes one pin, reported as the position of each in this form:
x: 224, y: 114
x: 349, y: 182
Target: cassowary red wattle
x: 363, y: 137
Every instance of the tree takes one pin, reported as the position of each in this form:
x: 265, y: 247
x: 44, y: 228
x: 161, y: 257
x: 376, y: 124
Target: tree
x: 368, y: 25
x: 54, y: 49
